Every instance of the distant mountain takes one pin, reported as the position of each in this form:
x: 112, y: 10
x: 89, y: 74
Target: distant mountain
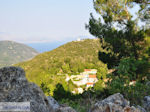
x: 71, y: 58
x: 13, y: 52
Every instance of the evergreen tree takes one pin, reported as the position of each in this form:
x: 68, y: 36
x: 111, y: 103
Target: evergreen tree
x: 121, y: 34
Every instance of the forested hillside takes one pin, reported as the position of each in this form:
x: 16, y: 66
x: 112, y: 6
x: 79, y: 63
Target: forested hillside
x: 72, y: 58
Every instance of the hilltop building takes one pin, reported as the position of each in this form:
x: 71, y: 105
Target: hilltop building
x: 78, y: 39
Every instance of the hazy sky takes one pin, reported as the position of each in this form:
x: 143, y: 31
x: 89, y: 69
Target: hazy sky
x: 44, y: 20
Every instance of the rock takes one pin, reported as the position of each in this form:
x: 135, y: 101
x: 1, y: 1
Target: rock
x: 134, y: 109
x: 57, y: 107
x: 14, y: 87
x: 148, y: 84
x: 115, y: 103
x: 66, y: 109
x: 51, y: 101
x: 146, y: 103
x: 141, y: 109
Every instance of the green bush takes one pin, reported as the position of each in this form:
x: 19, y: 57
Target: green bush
x: 130, y: 70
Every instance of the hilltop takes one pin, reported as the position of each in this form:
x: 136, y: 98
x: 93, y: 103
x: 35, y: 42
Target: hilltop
x: 13, y: 52
x: 72, y: 58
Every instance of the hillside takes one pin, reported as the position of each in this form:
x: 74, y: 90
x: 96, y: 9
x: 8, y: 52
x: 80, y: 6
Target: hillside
x: 72, y: 58
x: 12, y: 53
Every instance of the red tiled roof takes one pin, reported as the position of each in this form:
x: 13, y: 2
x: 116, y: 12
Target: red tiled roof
x: 89, y: 83
x: 92, y: 76
x: 86, y: 70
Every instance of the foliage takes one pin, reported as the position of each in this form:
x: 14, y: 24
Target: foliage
x: 121, y: 34
x: 118, y: 10
x: 72, y: 58
x: 113, y: 10
x: 147, y: 31
x: 130, y: 79
x: 133, y: 93
x: 98, y: 87
x: 118, y: 43
x: 102, y: 71
x: 75, y: 104
x: 71, y: 85
x: 125, y: 45
x: 60, y: 92
x: 133, y: 69
x: 80, y: 102
x: 45, y: 89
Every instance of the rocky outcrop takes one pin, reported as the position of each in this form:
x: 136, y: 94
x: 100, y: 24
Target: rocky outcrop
x: 51, y: 101
x: 55, y: 107
x: 146, y: 103
x: 14, y: 87
x: 115, y: 103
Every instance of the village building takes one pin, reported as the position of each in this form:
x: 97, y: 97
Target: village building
x: 92, y: 79
x: 89, y: 84
x: 87, y: 78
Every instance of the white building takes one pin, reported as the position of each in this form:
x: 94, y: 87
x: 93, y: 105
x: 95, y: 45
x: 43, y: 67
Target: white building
x: 90, y: 71
x: 88, y: 78
x: 78, y: 39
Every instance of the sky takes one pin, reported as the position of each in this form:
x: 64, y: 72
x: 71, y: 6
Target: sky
x: 39, y: 21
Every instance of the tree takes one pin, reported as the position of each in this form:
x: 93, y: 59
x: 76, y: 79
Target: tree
x: 45, y: 89
x: 123, y: 42
x: 99, y: 86
x: 66, y: 68
x: 121, y: 34
x: 61, y: 93
x: 113, y: 10
x: 118, y: 10
x: 130, y: 79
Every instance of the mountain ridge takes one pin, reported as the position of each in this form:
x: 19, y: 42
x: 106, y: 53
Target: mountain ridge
x: 12, y: 52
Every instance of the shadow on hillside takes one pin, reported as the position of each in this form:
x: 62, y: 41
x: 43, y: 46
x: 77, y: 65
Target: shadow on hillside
x: 107, y: 58
x: 88, y: 95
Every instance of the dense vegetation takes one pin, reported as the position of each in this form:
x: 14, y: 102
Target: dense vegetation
x: 49, y: 68
x: 124, y: 46
x: 127, y: 44
x: 12, y: 53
